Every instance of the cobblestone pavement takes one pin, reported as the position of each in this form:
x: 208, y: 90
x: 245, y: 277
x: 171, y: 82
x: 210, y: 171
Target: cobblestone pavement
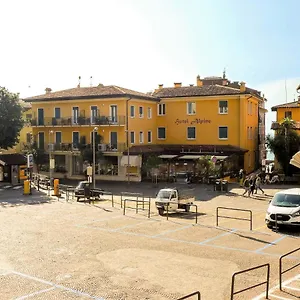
x: 55, y: 249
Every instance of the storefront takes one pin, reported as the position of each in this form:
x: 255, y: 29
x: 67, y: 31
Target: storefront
x: 12, y: 168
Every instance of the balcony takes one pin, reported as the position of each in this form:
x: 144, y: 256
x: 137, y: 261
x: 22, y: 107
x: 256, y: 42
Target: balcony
x: 276, y: 125
x: 105, y: 148
x: 79, y: 121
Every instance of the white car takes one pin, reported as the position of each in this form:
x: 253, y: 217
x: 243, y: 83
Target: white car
x: 286, y: 205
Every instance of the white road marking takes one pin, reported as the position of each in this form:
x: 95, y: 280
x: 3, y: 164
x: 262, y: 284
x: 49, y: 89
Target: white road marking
x: 279, y: 297
x: 35, y: 293
x: 271, y: 244
x: 57, y: 286
x: 291, y: 288
x: 7, y: 187
x: 17, y: 187
x: 273, y: 289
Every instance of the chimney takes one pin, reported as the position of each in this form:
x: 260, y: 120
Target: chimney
x: 199, y: 81
x: 177, y: 84
x: 48, y: 90
x: 191, y: 84
x: 242, y: 87
x: 160, y: 86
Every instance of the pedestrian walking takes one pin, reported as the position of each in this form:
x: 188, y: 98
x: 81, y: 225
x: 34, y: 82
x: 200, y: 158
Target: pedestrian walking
x: 241, y: 177
x: 246, y: 185
x: 258, y: 184
x: 252, y: 185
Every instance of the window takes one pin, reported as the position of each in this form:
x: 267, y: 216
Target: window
x: 223, y: 132
x: 149, y: 137
x: 141, y: 137
x: 141, y: 112
x: 223, y: 107
x: 251, y: 133
x: 249, y: 108
x: 132, y: 137
x: 41, y: 140
x: 149, y: 113
x: 161, y: 109
x: 191, y: 133
x: 191, y: 108
x: 58, y: 137
x: 28, y: 138
x: 75, y: 114
x: 94, y: 114
x: 75, y: 139
x: 132, y: 111
x: 161, y: 133
x: 288, y: 114
x: 57, y: 112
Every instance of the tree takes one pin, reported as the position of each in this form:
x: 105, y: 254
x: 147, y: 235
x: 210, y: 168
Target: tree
x: 39, y: 155
x: 11, y: 121
x: 284, y: 144
x: 152, y: 162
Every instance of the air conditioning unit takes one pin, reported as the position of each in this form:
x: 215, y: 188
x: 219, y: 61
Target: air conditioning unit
x: 102, y: 147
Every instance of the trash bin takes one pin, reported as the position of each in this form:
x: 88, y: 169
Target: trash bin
x: 225, y: 185
x: 217, y: 185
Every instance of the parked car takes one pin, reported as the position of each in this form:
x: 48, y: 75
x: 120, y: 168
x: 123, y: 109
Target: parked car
x: 83, y: 190
x: 174, y: 199
x: 286, y: 206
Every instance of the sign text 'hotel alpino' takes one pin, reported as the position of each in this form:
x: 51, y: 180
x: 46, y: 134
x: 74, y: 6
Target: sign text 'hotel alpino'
x: 192, y: 122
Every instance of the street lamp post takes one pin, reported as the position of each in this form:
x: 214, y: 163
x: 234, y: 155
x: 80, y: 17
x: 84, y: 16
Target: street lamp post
x: 50, y: 158
x: 94, y: 156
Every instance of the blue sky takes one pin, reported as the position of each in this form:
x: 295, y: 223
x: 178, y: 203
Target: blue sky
x: 139, y: 44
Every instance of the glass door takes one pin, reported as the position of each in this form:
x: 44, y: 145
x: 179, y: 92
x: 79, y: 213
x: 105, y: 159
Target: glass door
x: 75, y: 139
x: 75, y: 115
x: 40, y: 116
x: 41, y: 141
x: 114, y: 113
x: 94, y: 114
x: 114, y: 140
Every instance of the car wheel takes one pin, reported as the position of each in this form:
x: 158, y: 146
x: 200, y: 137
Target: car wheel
x: 160, y: 211
x: 270, y: 225
x: 187, y: 208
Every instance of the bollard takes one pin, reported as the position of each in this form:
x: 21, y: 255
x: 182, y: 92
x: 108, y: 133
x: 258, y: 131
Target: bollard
x: 56, y: 187
x: 26, y: 190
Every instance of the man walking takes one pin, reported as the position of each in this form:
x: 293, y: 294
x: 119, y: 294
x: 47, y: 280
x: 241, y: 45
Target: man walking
x: 246, y: 186
x: 258, y: 184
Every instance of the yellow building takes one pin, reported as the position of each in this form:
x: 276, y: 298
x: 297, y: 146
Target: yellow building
x: 215, y: 117
x: 68, y: 118
x: 289, y: 110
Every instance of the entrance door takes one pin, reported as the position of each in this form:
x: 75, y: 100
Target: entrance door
x: 94, y: 114
x: 40, y: 116
x: 114, y: 140
x: 41, y: 141
x: 75, y: 139
x: 114, y: 113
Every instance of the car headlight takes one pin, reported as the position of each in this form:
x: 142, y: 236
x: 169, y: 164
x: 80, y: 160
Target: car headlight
x: 296, y: 214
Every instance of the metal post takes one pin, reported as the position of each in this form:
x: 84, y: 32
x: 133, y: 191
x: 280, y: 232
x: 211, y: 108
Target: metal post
x: 127, y: 140
x: 50, y: 157
x: 268, y: 282
x: 94, y: 157
x: 217, y: 217
x: 196, y: 214
x: 124, y: 207
x: 251, y: 221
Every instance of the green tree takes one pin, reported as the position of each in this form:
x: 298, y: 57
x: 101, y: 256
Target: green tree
x: 284, y: 144
x: 151, y: 162
x: 11, y: 121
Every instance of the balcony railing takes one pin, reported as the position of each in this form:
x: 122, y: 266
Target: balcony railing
x: 79, y: 121
x: 277, y: 125
x: 118, y: 147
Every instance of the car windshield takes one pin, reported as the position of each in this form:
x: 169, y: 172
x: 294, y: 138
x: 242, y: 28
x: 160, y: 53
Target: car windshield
x: 286, y: 200
x: 164, y: 194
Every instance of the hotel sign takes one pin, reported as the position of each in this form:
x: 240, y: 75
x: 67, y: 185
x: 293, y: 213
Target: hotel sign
x: 195, y: 121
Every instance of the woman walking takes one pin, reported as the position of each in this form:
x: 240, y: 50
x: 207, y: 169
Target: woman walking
x: 258, y: 184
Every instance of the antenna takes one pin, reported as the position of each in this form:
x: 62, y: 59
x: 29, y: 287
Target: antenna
x: 91, y: 81
x: 224, y: 73
x: 285, y: 92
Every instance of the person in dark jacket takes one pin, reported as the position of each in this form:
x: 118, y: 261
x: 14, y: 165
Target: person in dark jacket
x: 246, y: 185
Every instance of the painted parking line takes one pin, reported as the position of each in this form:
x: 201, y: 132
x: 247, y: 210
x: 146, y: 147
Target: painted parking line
x: 171, y: 231
x: 17, y: 187
x: 270, y: 244
x: 276, y: 288
x: 58, y: 286
x: 217, y: 237
x: 35, y: 293
x: 279, y: 297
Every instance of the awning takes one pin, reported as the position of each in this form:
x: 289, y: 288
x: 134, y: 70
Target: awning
x: 190, y: 157
x: 134, y: 161
x: 12, y: 159
x: 169, y: 156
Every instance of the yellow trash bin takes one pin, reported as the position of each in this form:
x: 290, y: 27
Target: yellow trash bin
x: 56, y: 187
x: 26, y: 190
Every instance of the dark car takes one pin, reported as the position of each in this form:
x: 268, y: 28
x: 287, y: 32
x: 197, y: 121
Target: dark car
x: 84, y: 190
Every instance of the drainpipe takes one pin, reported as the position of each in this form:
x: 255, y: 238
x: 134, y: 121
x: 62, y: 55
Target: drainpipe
x: 127, y: 139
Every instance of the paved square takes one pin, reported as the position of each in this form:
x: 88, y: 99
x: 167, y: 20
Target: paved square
x: 69, y: 250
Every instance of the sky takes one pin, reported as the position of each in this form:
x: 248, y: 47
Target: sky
x: 139, y: 44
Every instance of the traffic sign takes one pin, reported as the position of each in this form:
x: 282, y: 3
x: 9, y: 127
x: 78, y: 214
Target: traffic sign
x: 30, y: 161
